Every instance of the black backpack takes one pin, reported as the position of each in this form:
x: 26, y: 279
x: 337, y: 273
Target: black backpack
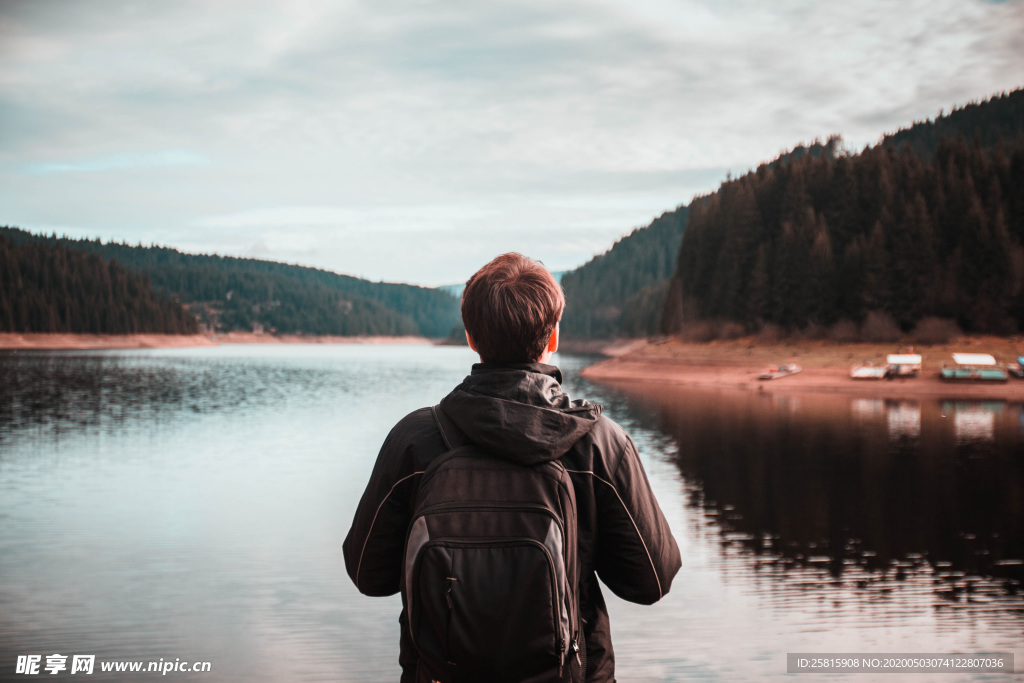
x: 490, y: 574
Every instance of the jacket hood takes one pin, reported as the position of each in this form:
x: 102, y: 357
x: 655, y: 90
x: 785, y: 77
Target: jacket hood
x: 519, y: 412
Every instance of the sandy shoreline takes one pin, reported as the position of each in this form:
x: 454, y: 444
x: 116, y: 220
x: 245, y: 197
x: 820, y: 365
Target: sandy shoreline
x: 725, y: 364
x: 826, y: 367
x: 33, y: 341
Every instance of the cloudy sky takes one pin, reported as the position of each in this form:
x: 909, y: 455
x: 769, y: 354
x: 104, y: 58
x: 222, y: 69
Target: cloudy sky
x: 412, y: 141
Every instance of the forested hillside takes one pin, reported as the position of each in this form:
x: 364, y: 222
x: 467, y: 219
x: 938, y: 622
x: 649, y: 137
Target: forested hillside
x: 620, y: 292
x: 230, y: 293
x: 988, y: 124
x: 893, y: 231
x: 51, y: 288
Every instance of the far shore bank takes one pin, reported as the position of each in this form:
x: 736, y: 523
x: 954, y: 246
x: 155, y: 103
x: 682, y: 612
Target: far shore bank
x: 825, y: 367
x: 723, y: 364
x: 38, y: 341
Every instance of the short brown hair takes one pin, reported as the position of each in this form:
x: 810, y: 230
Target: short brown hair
x: 510, y: 308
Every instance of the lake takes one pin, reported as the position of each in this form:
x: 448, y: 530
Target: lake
x: 190, y: 505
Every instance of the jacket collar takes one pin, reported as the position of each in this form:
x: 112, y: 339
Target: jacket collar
x: 488, y: 368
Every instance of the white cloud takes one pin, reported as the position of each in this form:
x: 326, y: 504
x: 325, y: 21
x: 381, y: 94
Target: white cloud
x: 346, y: 135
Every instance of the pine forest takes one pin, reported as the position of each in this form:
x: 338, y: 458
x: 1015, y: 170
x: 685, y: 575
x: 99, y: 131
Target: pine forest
x: 50, y: 288
x: 927, y: 229
x: 228, y: 294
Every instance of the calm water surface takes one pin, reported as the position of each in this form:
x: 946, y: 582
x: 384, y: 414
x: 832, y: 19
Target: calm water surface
x: 191, y: 504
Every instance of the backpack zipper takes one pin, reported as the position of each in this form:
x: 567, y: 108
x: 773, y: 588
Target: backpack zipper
x: 570, y: 596
x: 514, y: 541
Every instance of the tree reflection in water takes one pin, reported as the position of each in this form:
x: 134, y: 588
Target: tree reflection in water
x: 876, y: 495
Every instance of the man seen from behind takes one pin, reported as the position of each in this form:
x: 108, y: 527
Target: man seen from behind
x: 512, y: 407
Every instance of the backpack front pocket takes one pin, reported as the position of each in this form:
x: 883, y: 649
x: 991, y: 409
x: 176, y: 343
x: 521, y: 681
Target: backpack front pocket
x: 487, y: 610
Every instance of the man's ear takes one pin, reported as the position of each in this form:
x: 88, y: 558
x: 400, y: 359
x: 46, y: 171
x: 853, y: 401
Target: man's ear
x: 553, y: 340
x: 470, y: 341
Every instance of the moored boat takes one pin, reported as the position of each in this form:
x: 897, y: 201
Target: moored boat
x: 1017, y: 369
x: 868, y: 370
x: 973, y: 367
x: 904, y: 364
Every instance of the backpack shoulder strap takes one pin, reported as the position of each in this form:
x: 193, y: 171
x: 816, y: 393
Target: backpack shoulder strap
x: 450, y: 434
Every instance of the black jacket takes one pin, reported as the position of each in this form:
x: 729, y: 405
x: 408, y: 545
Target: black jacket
x: 521, y: 412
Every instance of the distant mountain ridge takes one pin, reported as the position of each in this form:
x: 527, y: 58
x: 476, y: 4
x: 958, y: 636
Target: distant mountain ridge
x: 230, y: 293
x: 817, y: 236
x: 926, y: 226
x: 623, y: 291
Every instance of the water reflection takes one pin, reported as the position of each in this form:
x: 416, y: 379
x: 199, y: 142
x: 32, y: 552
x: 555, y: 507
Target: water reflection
x: 920, y: 499
x: 867, y: 408
x: 108, y: 392
x: 193, y: 503
x: 73, y: 391
x: 903, y: 419
x: 973, y: 420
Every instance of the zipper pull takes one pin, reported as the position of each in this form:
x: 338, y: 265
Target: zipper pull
x: 448, y: 593
x: 576, y: 649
